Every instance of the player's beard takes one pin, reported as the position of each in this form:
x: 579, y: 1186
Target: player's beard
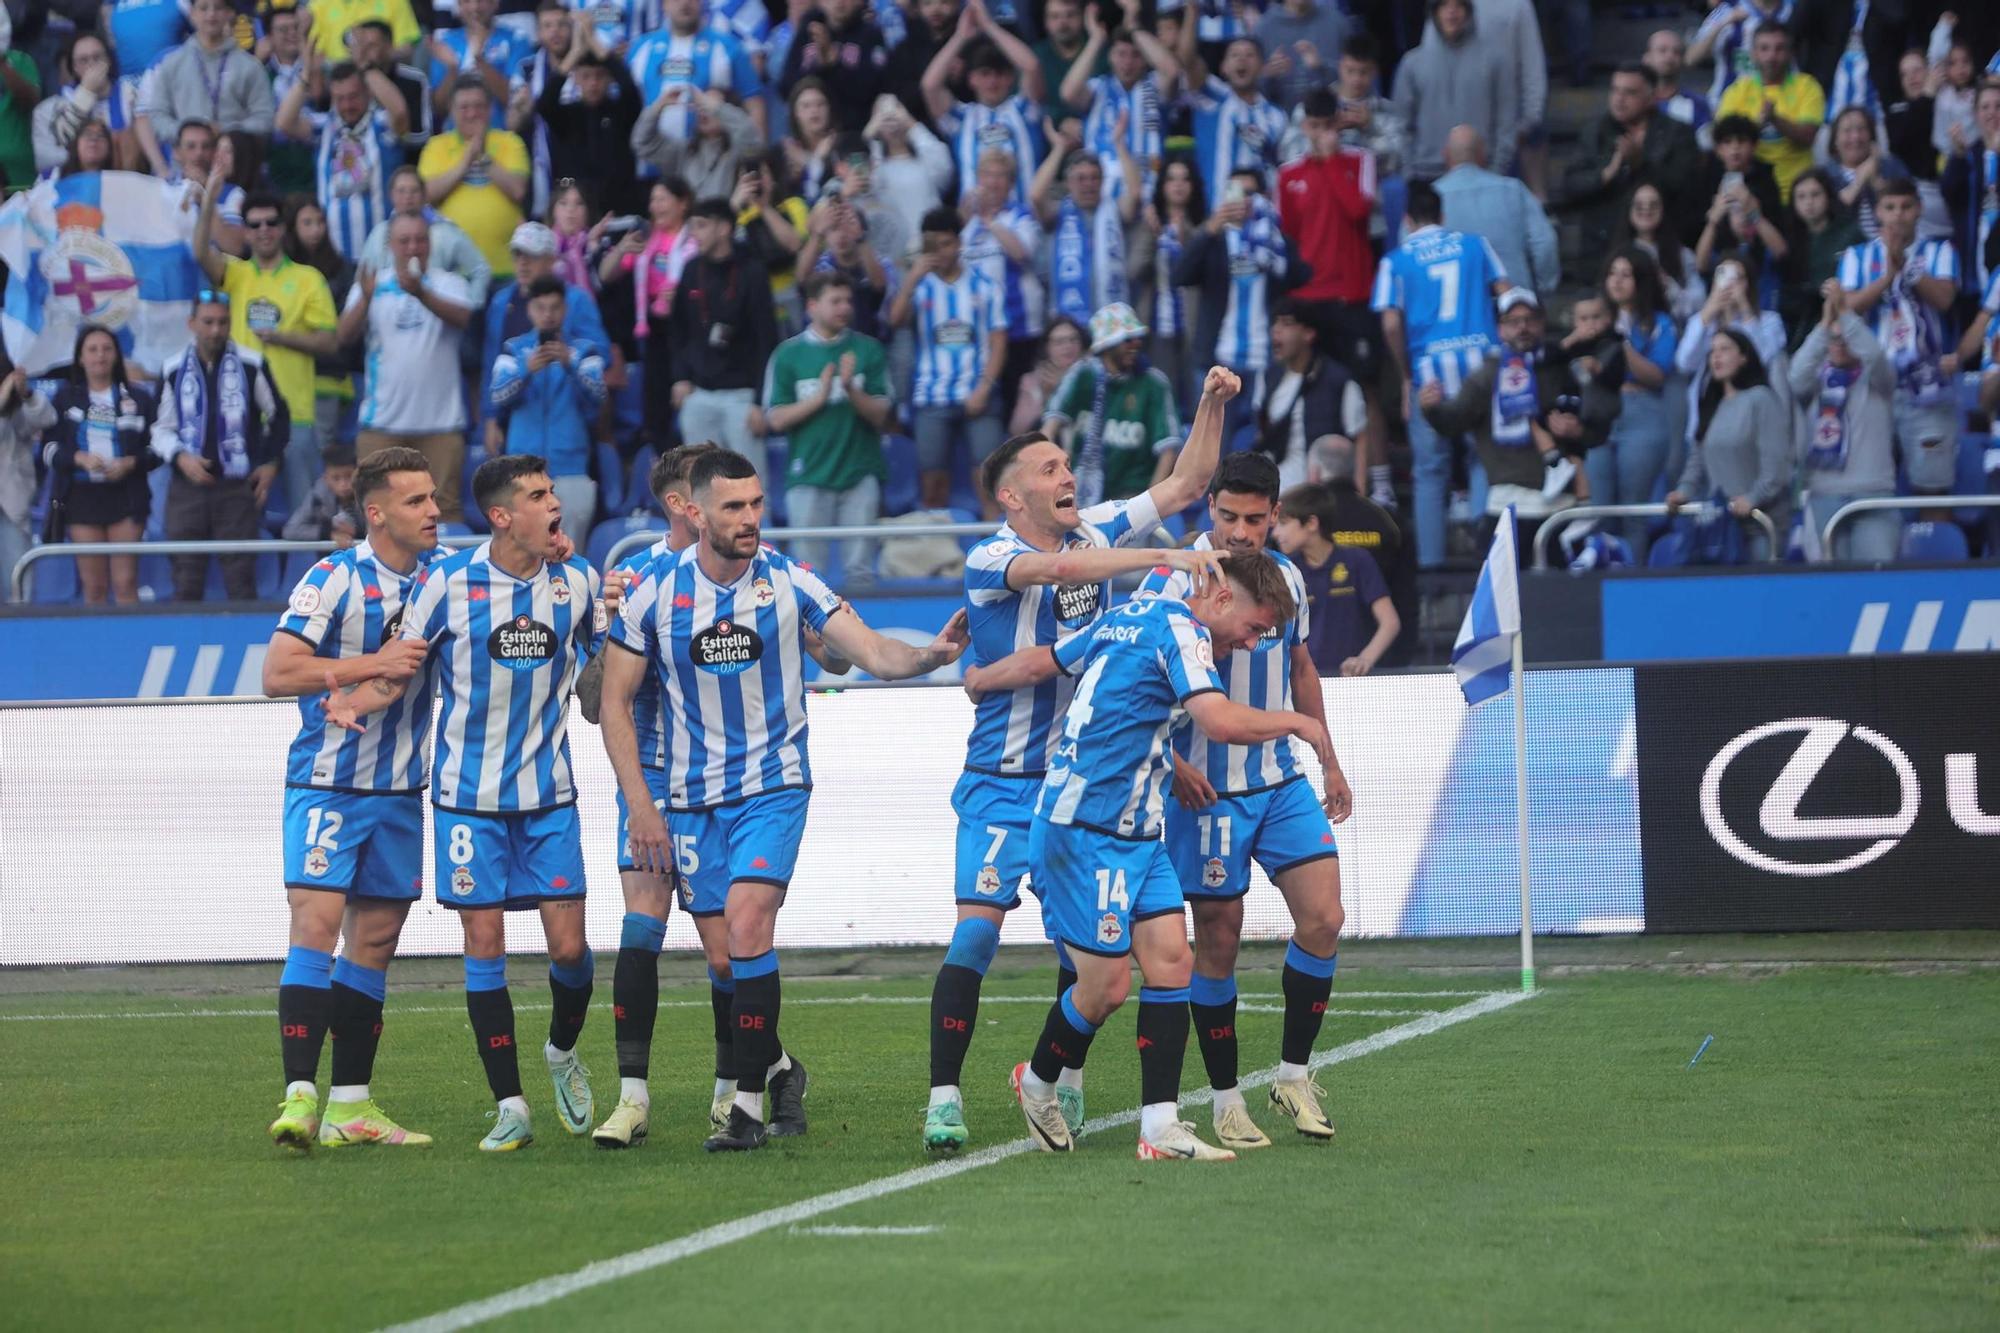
x: 740, y: 546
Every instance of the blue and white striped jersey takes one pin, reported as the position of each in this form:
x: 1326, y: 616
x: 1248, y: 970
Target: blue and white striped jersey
x: 954, y: 321
x: 506, y: 652
x: 348, y: 605
x: 1908, y: 329
x: 1259, y: 676
x: 1015, y: 124
x: 699, y: 61
x: 649, y: 710
x: 1133, y: 673
x: 1020, y: 285
x: 352, y: 169
x: 1012, y: 732
x: 1218, y: 20
x: 1145, y: 118
x: 731, y: 666
x: 620, y: 21
x: 1734, y: 22
x: 1442, y: 281
x: 748, y: 21
x: 1256, y: 255
x: 1230, y: 133
x: 505, y: 49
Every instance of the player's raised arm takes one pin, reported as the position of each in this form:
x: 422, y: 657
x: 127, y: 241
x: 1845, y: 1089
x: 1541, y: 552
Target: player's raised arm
x: 1189, y: 480
x: 891, y: 659
x: 1076, y: 565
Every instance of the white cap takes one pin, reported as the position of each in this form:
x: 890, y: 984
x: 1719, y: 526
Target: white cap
x: 533, y: 238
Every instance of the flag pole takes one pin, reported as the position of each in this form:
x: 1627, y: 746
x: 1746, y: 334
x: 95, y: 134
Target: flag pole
x: 1521, y: 814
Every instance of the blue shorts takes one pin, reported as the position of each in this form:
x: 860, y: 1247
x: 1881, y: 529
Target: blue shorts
x: 357, y: 843
x: 656, y: 782
x: 514, y: 861
x: 1094, y: 886
x: 1281, y: 827
x: 755, y: 839
x: 993, y: 818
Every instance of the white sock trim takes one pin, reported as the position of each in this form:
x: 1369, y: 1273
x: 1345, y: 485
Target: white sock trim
x: 299, y: 1087
x: 1292, y: 1073
x: 946, y: 1094
x: 347, y: 1092
x: 1070, y: 1078
x: 1226, y: 1098
x: 751, y: 1104
x: 518, y: 1105
x: 634, y: 1090
x: 1156, y: 1117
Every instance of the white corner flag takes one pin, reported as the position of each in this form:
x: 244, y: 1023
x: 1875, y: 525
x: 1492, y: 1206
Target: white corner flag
x: 1484, y: 656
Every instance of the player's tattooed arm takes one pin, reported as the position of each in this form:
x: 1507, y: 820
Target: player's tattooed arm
x: 345, y: 708
x: 829, y: 661
x: 292, y: 668
x: 891, y: 659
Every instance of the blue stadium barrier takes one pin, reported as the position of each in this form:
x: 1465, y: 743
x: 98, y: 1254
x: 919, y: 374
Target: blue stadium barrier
x: 1933, y: 542
x: 597, y: 547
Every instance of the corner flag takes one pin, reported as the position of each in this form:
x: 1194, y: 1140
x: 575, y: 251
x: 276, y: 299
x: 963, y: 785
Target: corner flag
x: 1483, y: 657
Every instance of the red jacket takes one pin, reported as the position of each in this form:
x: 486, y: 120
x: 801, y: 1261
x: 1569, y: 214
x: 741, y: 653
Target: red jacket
x: 1324, y: 204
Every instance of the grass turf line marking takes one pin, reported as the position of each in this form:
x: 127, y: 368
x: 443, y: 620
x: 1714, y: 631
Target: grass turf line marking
x: 398, y: 1010
x: 545, y: 1291
x: 864, y: 1231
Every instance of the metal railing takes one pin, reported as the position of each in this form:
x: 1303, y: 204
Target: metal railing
x: 624, y: 546
x: 1877, y: 503
x: 1580, y: 513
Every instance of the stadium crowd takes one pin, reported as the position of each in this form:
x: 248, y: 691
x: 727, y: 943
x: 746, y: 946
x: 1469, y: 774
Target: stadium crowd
x: 863, y: 245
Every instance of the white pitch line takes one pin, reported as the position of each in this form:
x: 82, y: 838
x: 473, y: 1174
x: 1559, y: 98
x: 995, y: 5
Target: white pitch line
x: 396, y: 1010
x: 544, y: 1291
x: 865, y: 1231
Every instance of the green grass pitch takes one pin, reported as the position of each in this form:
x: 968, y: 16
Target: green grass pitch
x: 1831, y: 1162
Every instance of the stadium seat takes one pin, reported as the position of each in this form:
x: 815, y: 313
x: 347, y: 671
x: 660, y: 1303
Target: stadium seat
x: 1933, y: 542
x: 55, y: 582
x: 777, y: 462
x: 900, y: 491
x: 597, y: 548
x: 1970, y: 476
x: 967, y: 542
x: 454, y: 530
x: 475, y: 454
x: 610, y: 471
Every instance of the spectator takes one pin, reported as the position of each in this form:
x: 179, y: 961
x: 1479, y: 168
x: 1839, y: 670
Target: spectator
x: 1954, y: 122
x: 1309, y: 396
x: 359, y: 148
x: 197, y: 156
x: 451, y: 250
x: 475, y: 175
x: 827, y: 391
x: 223, y: 426
x: 1821, y: 232
x: 1786, y: 104
x: 479, y: 53
x: 961, y: 330
x: 1130, y: 102
x: 327, y: 514
x: 1359, y: 521
x: 1062, y: 348
x: 508, y: 316
x: 1666, y: 56
x: 1090, y: 245
x: 1631, y: 462
x: 1294, y: 36
x: 1511, y: 26
x: 931, y: 26
x: 1179, y: 209
x: 99, y: 453
x: 412, y: 316
x: 1456, y: 77
x: 1241, y: 261
x: 1499, y: 208
x: 1434, y: 293
x: 545, y: 392
x: 1118, y: 416
x: 864, y: 184
x: 1858, y: 165
x: 1725, y: 37
x: 695, y: 56
x: 24, y: 414
x: 590, y: 138
x: 280, y: 311
x: 712, y: 158
x: 1370, y: 121
x: 834, y: 42
x: 307, y: 242
x: 1002, y: 240
x: 375, y: 48
x: 1633, y: 144
x: 1732, y: 304
x: 578, y: 238
x: 837, y: 242
x: 333, y: 20
x: 141, y: 34
x: 770, y: 221
x: 208, y: 77
x: 288, y: 62
x: 1235, y: 126
x: 1744, y: 206
x: 1903, y: 288
x: 559, y: 35
x: 1906, y: 129
x: 720, y: 332
x: 1065, y: 40
x: 910, y: 169
x: 1847, y: 452
x: 1344, y: 588
x: 655, y: 256
x: 1971, y: 185
x: 1530, y: 415
x: 1646, y: 226
x: 808, y: 144
x: 91, y: 150
x: 1743, y: 439
x: 86, y: 95
x: 1000, y: 113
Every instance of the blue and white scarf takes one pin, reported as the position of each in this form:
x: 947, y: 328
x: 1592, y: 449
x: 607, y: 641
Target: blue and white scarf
x: 1087, y: 259
x: 1090, y: 458
x: 1989, y: 209
x: 1852, y: 85
x: 1828, y: 450
x: 1169, y: 302
x: 232, y: 446
x: 1516, y: 400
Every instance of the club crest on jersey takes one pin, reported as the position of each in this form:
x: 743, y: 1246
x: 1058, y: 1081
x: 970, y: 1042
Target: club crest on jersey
x: 1108, y: 930
x: 305, y: 600
x: 762, y: 593
x: 559, y: 589
x: 988, y: 882
x: 522, y: 644
x: 1077, y: 601
x: 1214, y: 873
x: 726, y: 647
x: 461, y: 883
x: 1204, y: 653
x: 316, y: 862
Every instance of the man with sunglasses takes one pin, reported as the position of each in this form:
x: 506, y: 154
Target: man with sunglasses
x: 281, y: 310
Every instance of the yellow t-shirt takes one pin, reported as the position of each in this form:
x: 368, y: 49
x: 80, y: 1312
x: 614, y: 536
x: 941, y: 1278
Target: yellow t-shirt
x: 291, y: 297
x: 1800, y: 99
x: 794, y: 211
x: 332, y: 18
x: 480, y: 208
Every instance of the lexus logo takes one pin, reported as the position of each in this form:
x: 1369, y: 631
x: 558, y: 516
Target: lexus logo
x: 1778, y: 814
